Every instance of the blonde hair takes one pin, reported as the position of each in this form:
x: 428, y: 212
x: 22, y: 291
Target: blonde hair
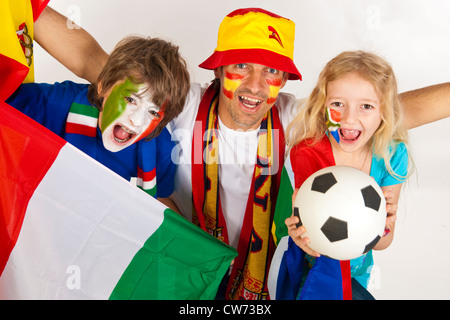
x: 310, y: 123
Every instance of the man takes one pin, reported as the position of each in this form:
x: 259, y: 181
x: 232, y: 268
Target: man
x: 229, y: 173
x: 234, y: 184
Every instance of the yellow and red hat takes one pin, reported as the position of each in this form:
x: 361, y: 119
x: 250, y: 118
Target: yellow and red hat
x: 254, y: 35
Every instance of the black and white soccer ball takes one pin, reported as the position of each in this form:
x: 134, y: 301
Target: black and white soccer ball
x: 343, y: 211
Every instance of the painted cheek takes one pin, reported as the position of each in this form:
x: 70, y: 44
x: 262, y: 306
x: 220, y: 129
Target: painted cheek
x: 231, y: 82
x: 115, y: 104
x: 274, y: 89
x: 334, y: 116
x: 152, y: 126
x: 113, y: 108
x: 333, y: 122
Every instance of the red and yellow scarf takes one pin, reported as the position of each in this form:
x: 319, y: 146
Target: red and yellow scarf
x: 248, y: 279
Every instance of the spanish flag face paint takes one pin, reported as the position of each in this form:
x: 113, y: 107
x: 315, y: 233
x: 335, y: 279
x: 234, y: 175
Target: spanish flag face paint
x: 274, y: 88
x: 231, y: 82
x: 248, y: 91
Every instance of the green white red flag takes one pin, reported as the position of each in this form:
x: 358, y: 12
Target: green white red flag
x: 72, y: 229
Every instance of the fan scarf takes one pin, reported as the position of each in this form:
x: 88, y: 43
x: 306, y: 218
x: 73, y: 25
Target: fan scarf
x: 248, y: 279
x: 81, y: 131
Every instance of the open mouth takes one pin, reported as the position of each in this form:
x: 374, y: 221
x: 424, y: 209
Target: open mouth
x: 250, y: 103
x: 122, y: 134
x: 349, y: 135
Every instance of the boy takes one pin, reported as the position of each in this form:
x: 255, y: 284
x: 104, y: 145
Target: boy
x: 120, y: 119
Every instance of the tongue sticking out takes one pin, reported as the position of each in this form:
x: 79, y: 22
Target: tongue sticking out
x: 122, y: 134
x: 350, y: 135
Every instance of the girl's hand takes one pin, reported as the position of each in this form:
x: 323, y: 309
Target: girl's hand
x: 296, y: 235
x: 391, y: 197
x: 391, y: 194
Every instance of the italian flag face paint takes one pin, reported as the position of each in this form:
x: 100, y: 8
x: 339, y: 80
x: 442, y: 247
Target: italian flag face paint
x: 128, y: 115
x: 115, y: 103
x: 231, y: 82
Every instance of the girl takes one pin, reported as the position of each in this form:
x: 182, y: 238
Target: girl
x: 352, y: 117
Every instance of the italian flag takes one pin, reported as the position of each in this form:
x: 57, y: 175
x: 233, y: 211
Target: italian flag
x: 72, y: 229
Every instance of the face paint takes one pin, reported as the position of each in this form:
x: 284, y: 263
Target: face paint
x: 115, y: 104
x: 153, y: 124
x: 274, y: 87
x: 333, y: 122
x: 128, y: 115
x: 231, y: 82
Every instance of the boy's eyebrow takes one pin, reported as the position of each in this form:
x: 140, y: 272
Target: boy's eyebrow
x: 139, y: 96
x: 141, y: 93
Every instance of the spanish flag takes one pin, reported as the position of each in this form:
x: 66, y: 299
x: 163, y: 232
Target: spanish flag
x: 16, y: 42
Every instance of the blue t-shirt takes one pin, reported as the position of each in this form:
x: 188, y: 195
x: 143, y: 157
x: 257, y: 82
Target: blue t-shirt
x: 49, y: 105
x: 399, y: 164
x: 361, y: 267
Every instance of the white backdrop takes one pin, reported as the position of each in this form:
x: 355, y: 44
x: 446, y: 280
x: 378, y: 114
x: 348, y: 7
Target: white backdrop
x: 413, y: 35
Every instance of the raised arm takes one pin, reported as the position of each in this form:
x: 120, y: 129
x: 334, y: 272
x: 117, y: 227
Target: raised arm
x: 75, y: 48
x: 426, y: 105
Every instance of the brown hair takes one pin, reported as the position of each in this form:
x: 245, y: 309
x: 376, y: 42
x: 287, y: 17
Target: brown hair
x: 151, y: 61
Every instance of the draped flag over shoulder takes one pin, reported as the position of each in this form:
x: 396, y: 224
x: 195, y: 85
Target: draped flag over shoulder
x: 16, y: 39
x: 328, y: 279
x: 72, y: 229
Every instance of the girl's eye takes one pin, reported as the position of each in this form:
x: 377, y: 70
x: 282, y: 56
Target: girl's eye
x: 130, y: 100
x: 337, y: 104
x: 367, y: 106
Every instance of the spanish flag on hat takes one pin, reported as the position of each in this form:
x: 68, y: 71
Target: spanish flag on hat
x: 16, y: 42
x: 254, y: 35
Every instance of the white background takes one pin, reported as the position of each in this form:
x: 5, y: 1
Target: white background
x: 413, y: 35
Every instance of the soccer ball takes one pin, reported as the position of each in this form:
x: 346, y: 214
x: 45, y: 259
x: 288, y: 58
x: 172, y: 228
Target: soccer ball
x: 343, y: 211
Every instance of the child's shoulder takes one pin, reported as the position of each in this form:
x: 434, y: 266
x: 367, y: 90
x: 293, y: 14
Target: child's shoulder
x: 313, y: 143
x: 313, y: 150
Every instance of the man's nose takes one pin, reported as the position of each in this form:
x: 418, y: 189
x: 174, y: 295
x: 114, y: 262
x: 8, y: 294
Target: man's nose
x: 256, y: 81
